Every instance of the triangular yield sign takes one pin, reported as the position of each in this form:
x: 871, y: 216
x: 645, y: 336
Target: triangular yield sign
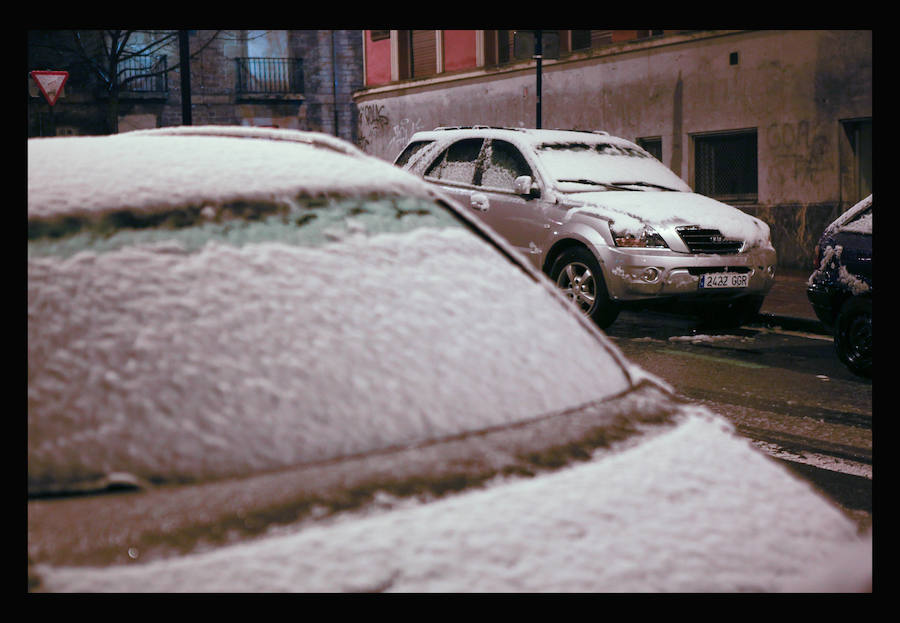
x: 50, y: 83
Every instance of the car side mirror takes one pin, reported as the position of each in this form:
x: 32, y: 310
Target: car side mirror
x: 524, y: 185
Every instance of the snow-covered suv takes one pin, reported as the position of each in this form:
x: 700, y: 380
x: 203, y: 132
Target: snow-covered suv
x: 608, y: 222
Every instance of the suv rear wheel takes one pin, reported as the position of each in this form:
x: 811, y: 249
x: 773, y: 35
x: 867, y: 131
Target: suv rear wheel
x: 577, y: 273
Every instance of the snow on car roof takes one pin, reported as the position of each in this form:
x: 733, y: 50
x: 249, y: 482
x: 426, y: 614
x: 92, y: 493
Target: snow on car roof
x: 528, y: 135
x: 149, y: 171
x: 311, y: 138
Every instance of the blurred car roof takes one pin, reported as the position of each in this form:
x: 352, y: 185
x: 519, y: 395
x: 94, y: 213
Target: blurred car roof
x: 135, y: 170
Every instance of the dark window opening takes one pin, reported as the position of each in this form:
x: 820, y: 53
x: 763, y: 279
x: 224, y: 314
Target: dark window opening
x: 859, y: 137
x: 653, y: 146
x: 726, y: 165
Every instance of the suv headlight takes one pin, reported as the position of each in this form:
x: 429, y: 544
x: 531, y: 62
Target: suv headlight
x: 647, y: 238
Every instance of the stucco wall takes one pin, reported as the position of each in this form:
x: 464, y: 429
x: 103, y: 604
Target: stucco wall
x: 793, y: 87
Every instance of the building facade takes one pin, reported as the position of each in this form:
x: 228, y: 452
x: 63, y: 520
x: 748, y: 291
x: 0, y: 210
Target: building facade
x: 775, y: 122
x: 300, y: 79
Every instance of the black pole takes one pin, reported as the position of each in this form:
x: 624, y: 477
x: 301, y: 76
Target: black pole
x: 184, y: 62
x: 334, y: 79
x: 538, y: 54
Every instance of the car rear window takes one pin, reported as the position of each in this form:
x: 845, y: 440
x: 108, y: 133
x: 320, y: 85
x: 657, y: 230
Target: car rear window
x: 304, y: 221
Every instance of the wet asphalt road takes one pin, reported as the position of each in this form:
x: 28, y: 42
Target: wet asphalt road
x: 784, y: 389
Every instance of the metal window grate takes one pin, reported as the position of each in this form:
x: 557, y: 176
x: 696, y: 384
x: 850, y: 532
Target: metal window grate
x: 726, y: 165
x: 269, y: 75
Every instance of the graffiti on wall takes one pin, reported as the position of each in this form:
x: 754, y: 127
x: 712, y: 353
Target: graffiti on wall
x: 378, y: 134
x: 372, y: 122
x: 799, y: 153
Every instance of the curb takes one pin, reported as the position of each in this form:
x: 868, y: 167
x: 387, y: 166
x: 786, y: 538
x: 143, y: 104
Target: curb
x: 793, y: 324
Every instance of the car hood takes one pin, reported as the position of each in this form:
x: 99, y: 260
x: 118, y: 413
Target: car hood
x: 664, y: 211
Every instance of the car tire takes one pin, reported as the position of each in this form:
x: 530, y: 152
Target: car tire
x: 853, y: 335
x: 732, y: 314
x: 577, y: 273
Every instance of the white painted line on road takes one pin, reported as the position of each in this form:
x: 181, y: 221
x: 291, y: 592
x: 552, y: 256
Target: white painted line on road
x: 780, y: 331
x: 821, y: 461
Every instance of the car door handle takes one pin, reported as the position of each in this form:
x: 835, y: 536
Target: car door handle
x: 479, y: 202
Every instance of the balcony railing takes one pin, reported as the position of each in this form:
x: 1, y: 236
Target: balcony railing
x: 269, y: 76
x: 144, y: 74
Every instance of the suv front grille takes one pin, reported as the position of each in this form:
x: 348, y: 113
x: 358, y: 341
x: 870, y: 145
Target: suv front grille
x: 700, y: 240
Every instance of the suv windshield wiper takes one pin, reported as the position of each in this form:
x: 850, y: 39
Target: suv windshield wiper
x: 617, y: 185
x: 647, y: 184
x: 592, y: 183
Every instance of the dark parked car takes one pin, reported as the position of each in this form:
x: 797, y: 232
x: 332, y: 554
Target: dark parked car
x: 840, y: 287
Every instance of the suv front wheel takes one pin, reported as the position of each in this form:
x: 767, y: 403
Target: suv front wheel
x: 577, y: 273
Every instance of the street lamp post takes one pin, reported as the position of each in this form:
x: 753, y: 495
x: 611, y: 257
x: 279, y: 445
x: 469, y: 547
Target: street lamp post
x: 185, y: 65
x: 537, y: 49
x: 538, y: 55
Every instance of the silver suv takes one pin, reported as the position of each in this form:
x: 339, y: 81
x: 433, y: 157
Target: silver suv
x: 603, y: 218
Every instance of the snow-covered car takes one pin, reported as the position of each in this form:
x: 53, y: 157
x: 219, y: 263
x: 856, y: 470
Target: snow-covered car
x: 260, y: 360
x: 840, y: 286
x: 608, y: 222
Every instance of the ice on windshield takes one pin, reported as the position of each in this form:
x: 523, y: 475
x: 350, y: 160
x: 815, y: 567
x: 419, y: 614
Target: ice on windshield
x: 176, y: 366
x: 606, y: 163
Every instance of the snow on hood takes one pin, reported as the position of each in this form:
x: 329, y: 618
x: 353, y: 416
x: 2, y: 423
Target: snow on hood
x: 145, y: 172
x: 631, y: 210
x: 693, y: 509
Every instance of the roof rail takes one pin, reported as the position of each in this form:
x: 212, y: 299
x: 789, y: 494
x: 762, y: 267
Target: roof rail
x: 601, y: 132
x: 495, y: 127
x: 476, y: 127
x: 462, y: 127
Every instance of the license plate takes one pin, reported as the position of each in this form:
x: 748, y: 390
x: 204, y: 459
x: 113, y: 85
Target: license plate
x: 724, y: 280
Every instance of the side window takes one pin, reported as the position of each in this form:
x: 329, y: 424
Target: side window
x: 410, y: 151
x: 458, y: 163
x: 503, y: 166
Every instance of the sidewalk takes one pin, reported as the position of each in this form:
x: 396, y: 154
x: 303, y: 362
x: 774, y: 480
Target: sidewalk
x: 786, y: 304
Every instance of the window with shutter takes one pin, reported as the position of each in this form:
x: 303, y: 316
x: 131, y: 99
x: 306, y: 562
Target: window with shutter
x: 424, y: 53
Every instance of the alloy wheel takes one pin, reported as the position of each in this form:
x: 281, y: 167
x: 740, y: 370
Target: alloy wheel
x: 578, y: 283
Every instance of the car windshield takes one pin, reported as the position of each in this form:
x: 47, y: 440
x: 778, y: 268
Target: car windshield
x: 219, y: 340
x: 581, y: 166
